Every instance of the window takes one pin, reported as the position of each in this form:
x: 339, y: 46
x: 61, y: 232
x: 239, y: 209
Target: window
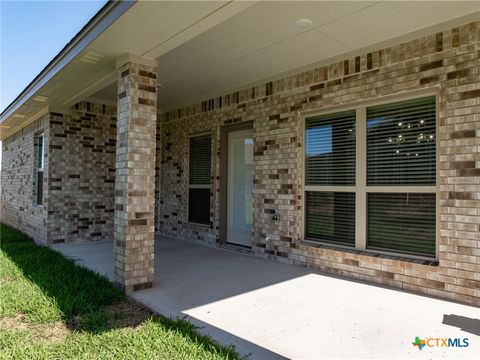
x: 401, y: 153
x: 39, y: 158
x: 199, y: 179
x: 370, y: 177
x: 401, y: 143
x: 331, y: 216
x: 330, y: 178
x: 404, y: 222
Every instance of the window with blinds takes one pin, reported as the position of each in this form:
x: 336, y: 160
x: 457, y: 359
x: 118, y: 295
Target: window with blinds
x: 370, y: 177
x: 402, y: 222
x: 330, y: 149
x: 39, y: 158
x: 330, y: 167
x: 401, y: 143
x: 200, y: 158
x: 331, y: 217
x: 401, y: 154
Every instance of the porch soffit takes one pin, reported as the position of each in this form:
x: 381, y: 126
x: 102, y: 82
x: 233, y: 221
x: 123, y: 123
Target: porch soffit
x: 206, y: 48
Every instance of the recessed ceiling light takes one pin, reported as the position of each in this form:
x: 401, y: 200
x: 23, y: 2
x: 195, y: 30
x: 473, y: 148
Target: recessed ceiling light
x: 40, y: 98
x: 303, y: 23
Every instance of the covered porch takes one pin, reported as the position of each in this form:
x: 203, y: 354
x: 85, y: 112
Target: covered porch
x: 119, y: 104
x: 273, y: 310
x: 125, y: 102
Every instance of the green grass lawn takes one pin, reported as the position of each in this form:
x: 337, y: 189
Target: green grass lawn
x: 51, y: 308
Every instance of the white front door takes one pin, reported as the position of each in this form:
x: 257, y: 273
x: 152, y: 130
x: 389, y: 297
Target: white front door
x: 240, y: 187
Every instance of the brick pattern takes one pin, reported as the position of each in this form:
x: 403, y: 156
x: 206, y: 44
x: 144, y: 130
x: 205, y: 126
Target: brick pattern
x: 158, y: 178
x: 174, y: 156
x: 135, y: 177
x: 82, y: 173
x: 448, y: 61
x: 17, y: 207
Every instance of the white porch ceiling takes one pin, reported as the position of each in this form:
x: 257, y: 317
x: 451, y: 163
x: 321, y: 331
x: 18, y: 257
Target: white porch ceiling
x: 262, y: 41
x: 205, y: 48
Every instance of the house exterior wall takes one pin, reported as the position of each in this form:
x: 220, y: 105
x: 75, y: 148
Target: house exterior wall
x: 82, y: 173
x: 79, y: 174
x: 17, y: 184
x: 447, y: 63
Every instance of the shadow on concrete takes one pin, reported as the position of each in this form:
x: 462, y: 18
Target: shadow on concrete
x: 193, y: 275
x: 261, y: 306
x: 89, y: 302
x: 190, y: 275
x: 466, y: 324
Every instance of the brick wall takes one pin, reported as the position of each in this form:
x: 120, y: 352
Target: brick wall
x: 82, y: 173
x: 80, y: 163
x: 17, y: 185
x: 173, y: 202
x: 448, y: 62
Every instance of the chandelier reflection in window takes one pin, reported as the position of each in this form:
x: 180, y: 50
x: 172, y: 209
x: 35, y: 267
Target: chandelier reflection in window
x: 408, y: 135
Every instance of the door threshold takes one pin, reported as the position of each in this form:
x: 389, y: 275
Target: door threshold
x: 237, y: 248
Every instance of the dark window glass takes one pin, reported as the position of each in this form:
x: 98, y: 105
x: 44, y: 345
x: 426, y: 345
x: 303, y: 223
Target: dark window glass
x: 39, y: 187
x: 402, y: 222
x: 331, y: 217
x: 199, y: 206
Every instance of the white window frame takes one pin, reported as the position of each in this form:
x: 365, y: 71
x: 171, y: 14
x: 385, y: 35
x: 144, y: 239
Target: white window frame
x: 361, y: 189
x: 197, y: 186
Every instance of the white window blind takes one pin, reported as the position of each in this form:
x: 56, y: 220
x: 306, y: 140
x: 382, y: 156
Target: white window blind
x: 401, y: 154
x: 330, y: 165
x: 402, y: 222
x: 389, y: 202
x: 331, y: 217
x: 401, y: 143
x: 330, y: 149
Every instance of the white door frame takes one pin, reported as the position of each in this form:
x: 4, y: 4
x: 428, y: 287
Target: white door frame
x: 237, y: 236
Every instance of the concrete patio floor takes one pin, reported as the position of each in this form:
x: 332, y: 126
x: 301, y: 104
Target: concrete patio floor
x: 272, y: 310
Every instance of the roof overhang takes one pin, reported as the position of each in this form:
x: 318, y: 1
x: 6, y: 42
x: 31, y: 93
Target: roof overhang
x: 108, y: 14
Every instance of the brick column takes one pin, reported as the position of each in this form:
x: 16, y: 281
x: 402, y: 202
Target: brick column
x: 135, y: 176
